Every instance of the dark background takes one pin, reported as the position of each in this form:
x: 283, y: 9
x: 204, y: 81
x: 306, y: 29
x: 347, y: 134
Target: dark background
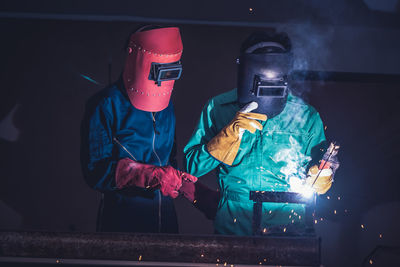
x: 54, y: 57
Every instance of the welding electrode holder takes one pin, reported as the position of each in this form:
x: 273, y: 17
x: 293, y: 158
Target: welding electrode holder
x: 329, y: 160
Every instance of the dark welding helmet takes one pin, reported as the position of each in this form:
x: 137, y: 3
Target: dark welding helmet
x: 264, y: 69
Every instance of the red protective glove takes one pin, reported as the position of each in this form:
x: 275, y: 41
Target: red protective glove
x: 202, y: 197
x: 167, y: 179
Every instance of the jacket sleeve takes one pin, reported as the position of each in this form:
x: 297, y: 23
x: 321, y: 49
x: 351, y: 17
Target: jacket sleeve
x: 317, y: 141
x: 198, y: 161
x: 98, y: 163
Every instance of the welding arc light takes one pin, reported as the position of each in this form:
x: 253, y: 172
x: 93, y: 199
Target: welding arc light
x: 271, y: 74
x: 307, y: 191
x: 297, y: 185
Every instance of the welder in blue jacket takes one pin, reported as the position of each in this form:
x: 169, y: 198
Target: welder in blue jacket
x: 128, y: 136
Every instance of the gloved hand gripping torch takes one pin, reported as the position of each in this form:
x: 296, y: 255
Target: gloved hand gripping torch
x: 321, y: 178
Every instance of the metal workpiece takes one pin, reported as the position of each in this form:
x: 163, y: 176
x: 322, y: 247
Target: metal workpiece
x: 259, y: 197
x: 280, y: 197
x: 159, y: 249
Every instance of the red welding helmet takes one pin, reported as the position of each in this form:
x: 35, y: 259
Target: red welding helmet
x: 152, y: 66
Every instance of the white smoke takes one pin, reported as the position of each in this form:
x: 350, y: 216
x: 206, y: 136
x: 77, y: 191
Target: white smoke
x: 296, y: 161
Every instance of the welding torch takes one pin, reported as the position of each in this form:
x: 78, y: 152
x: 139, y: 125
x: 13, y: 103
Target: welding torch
x: 329, y: 160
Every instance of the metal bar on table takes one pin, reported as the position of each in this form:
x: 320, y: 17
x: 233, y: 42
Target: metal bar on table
x: 159, y: 248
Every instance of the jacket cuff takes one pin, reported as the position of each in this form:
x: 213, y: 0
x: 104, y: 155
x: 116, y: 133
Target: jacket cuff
x: 122, y: 171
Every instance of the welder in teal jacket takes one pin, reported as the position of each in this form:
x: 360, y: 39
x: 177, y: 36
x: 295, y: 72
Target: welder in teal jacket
x: 260, y: 150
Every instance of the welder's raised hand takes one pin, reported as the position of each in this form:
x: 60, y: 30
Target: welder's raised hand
x: 130, y: 173
x: 225, y: 145
x: 319, y: 179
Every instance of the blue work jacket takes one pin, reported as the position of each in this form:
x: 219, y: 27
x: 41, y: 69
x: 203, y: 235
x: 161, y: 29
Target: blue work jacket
x: 113, y: 129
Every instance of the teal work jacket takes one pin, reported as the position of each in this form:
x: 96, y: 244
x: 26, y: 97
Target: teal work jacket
x: 265, y: 161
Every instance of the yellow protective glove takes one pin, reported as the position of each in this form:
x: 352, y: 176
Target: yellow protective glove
x: 324, y: 181
x: 225, y: 145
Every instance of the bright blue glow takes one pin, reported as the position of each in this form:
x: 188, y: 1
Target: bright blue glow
x: 89, y: 79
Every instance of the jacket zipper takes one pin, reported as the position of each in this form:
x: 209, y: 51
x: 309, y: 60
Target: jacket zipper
x: 130, y: 154
x: 154, y: 136
x: 155, y: 153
